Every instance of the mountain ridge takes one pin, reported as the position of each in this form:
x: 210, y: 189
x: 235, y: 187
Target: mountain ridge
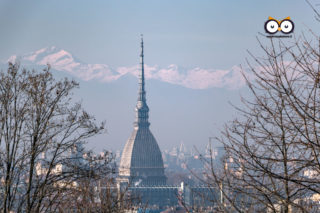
x: 195, y: 78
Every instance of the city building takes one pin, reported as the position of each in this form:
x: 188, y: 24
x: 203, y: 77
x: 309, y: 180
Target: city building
x: 141, y: 161
x: 141, y: 170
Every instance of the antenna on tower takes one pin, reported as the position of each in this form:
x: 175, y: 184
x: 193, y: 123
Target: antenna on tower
x: 142, y: 107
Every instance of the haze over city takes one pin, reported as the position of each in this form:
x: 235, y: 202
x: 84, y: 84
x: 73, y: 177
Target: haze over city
x: 159, y: 106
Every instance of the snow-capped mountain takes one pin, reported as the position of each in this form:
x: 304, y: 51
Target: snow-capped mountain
x: 62, y: 60
x: 196, y: 78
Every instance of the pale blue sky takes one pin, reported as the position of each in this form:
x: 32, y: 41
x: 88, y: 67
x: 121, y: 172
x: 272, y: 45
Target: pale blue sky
x: 204, y: 33
x: 210, y: 34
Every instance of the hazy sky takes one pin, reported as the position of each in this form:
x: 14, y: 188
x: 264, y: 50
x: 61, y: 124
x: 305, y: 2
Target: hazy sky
x: 205, y: 33
x: 210, y: 34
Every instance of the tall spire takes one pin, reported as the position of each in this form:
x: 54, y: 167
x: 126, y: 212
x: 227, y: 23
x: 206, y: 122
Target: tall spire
x: 142, y: 93
x: 141, y: 158
x: 142, y: 109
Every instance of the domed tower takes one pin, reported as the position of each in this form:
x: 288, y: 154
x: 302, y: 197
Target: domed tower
x: 141, y: 160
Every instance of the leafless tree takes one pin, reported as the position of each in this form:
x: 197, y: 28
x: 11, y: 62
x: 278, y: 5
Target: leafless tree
x: 39, y: 124
x: 98, y: 191
x: 271, y: 161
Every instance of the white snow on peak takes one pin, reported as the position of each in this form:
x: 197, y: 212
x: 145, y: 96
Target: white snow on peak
x: 196, y: 78
x: 62, y: 60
